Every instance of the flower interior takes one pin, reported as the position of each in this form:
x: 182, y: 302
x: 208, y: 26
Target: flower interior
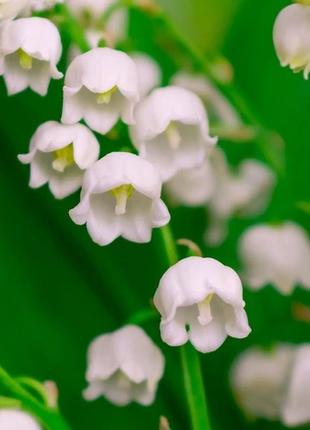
x: 121, y: 195
x: 63, y: 158
x: 105, y: 97
x: 25, y: 60
x: 173, y: 135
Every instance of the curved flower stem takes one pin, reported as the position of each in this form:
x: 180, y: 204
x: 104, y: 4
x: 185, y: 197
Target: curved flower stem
x: 48, y: 417
x: 193, y: 381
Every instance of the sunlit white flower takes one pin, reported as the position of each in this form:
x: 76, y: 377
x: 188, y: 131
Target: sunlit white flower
x: 277, y: 255
x: 89, y: 12
x: 100, y: 86
x: 9, y: 9
x: 14, y: 419
x: 245, y: 193
x: 30, y: 49
x: 121, y: 197
x: 171, y: 130
x: 291, y: 37
x: 58, y: 155
x: 274, y: 384
x: 200, y: 300
x: 149, y: 73
x: 192, y: 187
x: 218, y: 106
x: 124, y: 366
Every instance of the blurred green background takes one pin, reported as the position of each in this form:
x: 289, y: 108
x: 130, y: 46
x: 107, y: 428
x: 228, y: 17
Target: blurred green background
x: 59, y: 290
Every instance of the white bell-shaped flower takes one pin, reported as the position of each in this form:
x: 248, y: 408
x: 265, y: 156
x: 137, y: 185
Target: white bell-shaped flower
x: 218, y: 106
x: 276, y: 254
x: 58, y: 155
x: 200, y: 300
x: 15, y: 419
x: 192, y: 187
x: 245, y: 192
x: 100, y: 86
x: 291, y: 37
x: 121, y: 197
x: 274, y: 384
x: 89, y: 12
x: 10, y: 9
x: 30, y: 49
x: 149, y: 73
x: 171, y: 130
x: 124, y: 366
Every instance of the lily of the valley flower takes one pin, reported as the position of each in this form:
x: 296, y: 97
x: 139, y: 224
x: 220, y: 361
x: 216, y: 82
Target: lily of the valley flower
x: 277, y: 255
x: 291, y: 37
x: 30, y: 49
x: 171, y: 130
x: 149, y: 73
x: 121, y: 197
x: 244, y: 193
x: 14, y: 419
x: 58, y: 155
x: 200, y: 300
x: 124, y: 366
x: 10, y: 9
x: 100, y: 86
x: 274, y: 384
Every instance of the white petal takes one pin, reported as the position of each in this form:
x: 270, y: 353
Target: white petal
x: 63, y: 184
x: 13, y: 419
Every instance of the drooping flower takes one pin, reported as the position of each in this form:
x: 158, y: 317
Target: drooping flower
x: 15, y: 419
x: 10, y: 9
x: 200, y: 300
x: 192, y: 187
x: 30, y: 49
x: 171, y: 130
x: 244, y: 193
x: 121, y: 197
x: 149, y: 73
x: 276, y: 254
x: 58, y: 155
x: 124, y: 366
x: 274, y: 384
x: 100, y: 86
x: 291, y: 37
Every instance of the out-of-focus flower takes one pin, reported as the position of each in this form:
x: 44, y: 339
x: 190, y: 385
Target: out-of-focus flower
x: 274, y: 384
x: 10, y: 9
x: 90, y: 12
x: 291, y: 37
x: 192, y: 187
x: 149, y: 73
x: 100, y: 86
x: 121, y: 197
x: 41, y: 5
x: 171, y: 130
x: 124, y: 366
x: 243, y: 193
x: 200, y: 300
x: 277, y: 255
x: 30, y: 49
x: 14, y: 419
x: 58, y: 155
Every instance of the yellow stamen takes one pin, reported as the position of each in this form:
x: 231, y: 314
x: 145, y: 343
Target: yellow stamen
x: 25, y: 60
x: 63, y: 158
x: 122, y: 194
x: 105, y: 98
x: 173, y: 136
x: 204, y: 310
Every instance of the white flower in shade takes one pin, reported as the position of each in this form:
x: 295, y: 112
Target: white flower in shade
x: 277, y: 255
x: 121, y: 197
x: 218, y: 106
x: 89, y: 12
x: 200, y: 300
x: 9, y: 9
x: 124, y: 366
x: 14, y: 419
x: 291, y: 37
x: 58, y: 155
x: 30, y: 49
x: 274, y: 384
x: 245, y: 193
x: 171, y: 130
x: 41, y: 5
x: 149, y: 73
x: 192, y: 187
x: 101, y: 86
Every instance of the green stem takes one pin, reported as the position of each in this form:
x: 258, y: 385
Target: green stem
x: 193, y: 381
x: 49, y: 418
